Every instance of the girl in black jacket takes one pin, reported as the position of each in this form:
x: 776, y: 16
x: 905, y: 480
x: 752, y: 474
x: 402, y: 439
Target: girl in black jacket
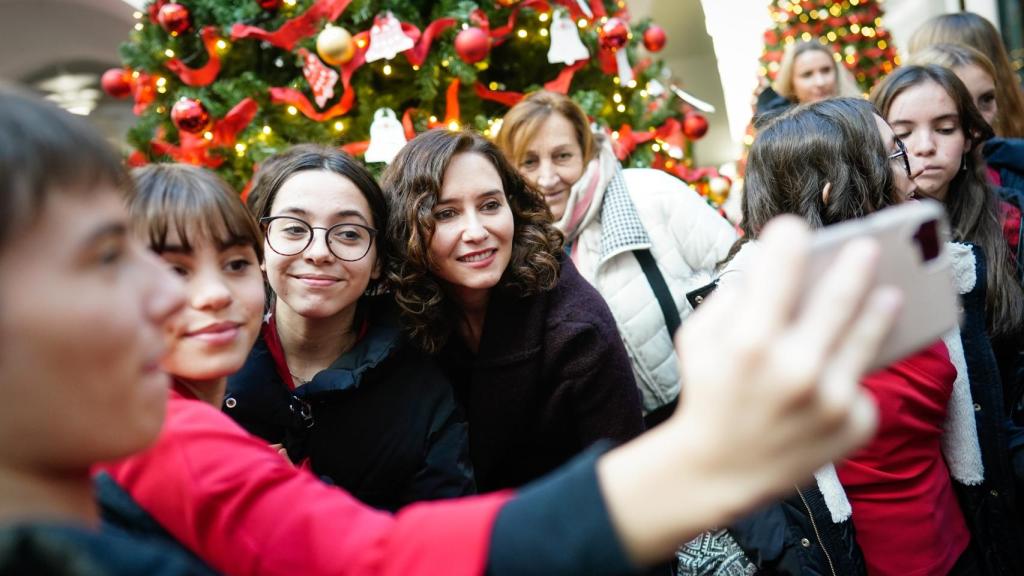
x: 331, y: 377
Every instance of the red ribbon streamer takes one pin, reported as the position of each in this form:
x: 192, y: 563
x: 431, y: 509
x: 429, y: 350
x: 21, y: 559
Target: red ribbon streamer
x: 205, y: 74
x: 561, y: 83
x: 418, y: 53
x: 508, y: 98
x: 451, y: 106
x: 356, y: 148
x: 293, y: 97
x: 296, y: 29
x: 143, y: 92
x: 499, y: 34
x: 284, y: 95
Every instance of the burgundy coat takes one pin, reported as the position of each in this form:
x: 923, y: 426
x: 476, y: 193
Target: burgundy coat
x: 550, y: 378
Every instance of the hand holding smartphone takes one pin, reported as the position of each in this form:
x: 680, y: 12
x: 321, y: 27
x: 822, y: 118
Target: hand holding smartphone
x: 913, y: 259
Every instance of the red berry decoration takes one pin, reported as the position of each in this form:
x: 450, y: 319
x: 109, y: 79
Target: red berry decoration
x: 695, y: 125
x: 472, y: 45
x: 117, y: 83
x: 613, y: 34
x: 654, y: 38
x: 174, y: 18
x: 190, y: 116
x: 270, y: 4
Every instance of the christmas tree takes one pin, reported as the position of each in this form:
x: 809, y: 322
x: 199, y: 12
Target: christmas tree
x: 226, y: 84
x: 852, y: 27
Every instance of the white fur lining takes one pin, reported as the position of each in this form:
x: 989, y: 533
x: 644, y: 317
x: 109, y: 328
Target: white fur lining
x: 832, y: 490
x: 960, y: 444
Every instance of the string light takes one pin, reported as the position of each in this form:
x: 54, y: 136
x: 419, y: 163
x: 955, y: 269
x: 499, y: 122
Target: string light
x: 521, y: 33
x: 582, y: 23
x: 240, y: 148
x: 543, y: 32
x: 339, y: 126
x: 139, y: 26
x: 387, y: 70
x: 293, y: 110
x: 137, y: 15
x: 454, y: 126
x: 169, y: 53
x: 208, y: 135
x: 543, y: 16
x: 267, y: 131
x: 617, y: 98
x: 433, y: 119
x: 621, y: 108
x: 222, y: 45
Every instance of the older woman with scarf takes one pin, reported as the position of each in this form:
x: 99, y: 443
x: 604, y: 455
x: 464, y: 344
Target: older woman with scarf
x: 642, y: 237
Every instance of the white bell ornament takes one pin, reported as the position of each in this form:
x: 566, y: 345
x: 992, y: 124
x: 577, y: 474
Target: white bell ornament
x: 387, y: 137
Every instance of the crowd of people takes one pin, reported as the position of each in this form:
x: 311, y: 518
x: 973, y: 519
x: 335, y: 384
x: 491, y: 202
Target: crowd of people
x: 517, y: 357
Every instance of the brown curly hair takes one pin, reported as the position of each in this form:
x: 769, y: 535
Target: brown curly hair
x: 412, y: 184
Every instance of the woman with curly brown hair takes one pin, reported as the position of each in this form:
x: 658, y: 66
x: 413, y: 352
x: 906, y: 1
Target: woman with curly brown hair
x: 530, y: 346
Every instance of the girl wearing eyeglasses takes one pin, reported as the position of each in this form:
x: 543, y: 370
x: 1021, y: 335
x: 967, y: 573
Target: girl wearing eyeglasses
x: 331, y: 378
x: 933, y: 113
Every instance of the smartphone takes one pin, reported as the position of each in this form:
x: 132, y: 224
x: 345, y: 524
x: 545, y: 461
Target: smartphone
x: 914, y: 259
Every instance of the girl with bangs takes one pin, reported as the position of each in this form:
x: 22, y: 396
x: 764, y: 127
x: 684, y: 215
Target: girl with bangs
x: 479, y: 274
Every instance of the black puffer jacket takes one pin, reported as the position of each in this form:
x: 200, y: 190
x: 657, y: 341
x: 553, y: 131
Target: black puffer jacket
x: 380, y: 422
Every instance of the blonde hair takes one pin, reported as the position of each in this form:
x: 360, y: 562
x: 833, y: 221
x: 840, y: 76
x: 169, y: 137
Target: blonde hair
x: 523, y: 120
x: 970, y: 29
x: 783, y: 84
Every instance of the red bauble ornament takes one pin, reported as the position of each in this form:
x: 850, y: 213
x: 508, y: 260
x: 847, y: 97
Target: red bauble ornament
x: 472, y: 45
x: 154, y: 10
x: 190, y: 116
x: 270, y: 4
x: 613, y: 34
x: 117, y: 82
x: 695, y: 125
x: 174, y: 18
x: 654, y: 38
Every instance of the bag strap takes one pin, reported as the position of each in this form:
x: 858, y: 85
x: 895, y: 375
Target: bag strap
x: 660, y: 288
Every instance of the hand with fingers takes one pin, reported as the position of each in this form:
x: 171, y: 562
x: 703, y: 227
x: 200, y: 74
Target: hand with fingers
x: 772, y: 392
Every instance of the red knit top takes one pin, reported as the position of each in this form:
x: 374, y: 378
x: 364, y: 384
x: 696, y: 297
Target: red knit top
x: 907, y: 518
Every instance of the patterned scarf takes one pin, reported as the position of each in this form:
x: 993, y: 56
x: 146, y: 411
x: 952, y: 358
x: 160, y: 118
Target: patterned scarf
x: 587, y: 194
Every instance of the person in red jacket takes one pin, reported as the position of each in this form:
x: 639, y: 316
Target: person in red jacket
x: 82, y: 305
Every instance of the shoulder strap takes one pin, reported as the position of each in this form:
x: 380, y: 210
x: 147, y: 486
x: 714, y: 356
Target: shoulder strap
x: 660, y: 288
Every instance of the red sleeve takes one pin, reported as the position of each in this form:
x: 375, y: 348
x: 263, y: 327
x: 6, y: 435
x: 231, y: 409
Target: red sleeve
x: 238, y: 505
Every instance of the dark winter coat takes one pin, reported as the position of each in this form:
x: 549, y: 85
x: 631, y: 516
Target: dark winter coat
x: 1006, y: 156
x: 380, y: 422
x: 990, y: 508
x: 551, y: 377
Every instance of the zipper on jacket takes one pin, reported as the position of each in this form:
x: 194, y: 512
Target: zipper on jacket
x: 814, y: 525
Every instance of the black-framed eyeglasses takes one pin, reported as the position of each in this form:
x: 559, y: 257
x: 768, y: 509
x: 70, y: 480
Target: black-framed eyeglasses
x: 289, y: 236
x: 901, y: 152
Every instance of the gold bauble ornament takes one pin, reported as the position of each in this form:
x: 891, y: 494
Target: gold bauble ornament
x: 335, y: 45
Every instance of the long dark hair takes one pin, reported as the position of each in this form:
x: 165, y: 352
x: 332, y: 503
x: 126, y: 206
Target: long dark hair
x: 796, y: 154
x: 413, y: 184
x: 972, y: 204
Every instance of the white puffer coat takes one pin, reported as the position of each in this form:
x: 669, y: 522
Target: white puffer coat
x: 650, y: 209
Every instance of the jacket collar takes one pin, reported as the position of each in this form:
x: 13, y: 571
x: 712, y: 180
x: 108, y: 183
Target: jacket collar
x: 621, y: 227
x: 381, y: 336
